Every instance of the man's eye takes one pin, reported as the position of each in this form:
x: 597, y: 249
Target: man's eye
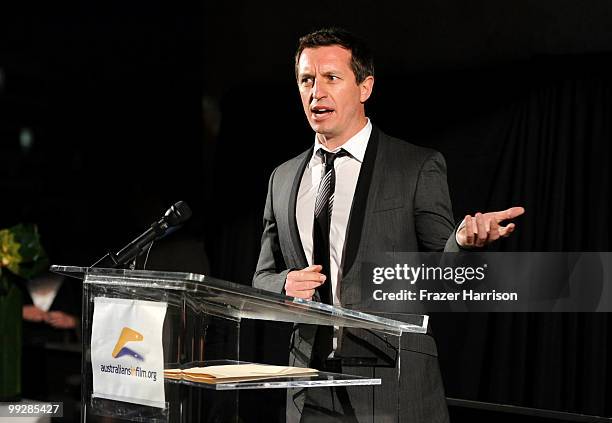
x: 333, y: 78
x: 306, y: 81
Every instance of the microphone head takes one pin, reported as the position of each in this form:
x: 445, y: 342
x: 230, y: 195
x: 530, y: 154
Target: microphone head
x: 177, y: 214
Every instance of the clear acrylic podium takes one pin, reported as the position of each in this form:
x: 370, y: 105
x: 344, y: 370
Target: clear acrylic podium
x: 202, y: 327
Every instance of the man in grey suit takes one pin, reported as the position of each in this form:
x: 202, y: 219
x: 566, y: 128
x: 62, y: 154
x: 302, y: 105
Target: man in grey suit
x: 385, y: 195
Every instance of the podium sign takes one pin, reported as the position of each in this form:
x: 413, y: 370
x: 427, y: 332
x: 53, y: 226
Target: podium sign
x: 126, y: 351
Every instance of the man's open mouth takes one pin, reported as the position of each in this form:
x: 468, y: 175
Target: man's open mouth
x: 321, y: 111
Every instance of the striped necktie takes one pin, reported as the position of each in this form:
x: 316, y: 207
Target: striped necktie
x: 324, y: 204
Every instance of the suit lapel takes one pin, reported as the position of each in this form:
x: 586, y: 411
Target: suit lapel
x: 292, y: 219
x: 358, y: 208
x: 360, y: 202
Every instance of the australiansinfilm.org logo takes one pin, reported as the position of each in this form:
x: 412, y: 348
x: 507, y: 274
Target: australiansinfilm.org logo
x: 127, y: 335
x: 121, y: 351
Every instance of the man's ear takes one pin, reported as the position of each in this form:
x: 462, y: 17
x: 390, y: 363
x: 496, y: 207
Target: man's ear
x: 366, y: 87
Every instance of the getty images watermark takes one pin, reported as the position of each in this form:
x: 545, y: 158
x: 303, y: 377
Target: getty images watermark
x: 457, y: 275
x: 489, y: 282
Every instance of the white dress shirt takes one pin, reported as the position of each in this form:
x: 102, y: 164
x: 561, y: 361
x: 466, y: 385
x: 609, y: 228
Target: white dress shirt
x: 347, y: 172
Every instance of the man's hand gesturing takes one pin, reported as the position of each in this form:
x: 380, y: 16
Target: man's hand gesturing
x: 485, y: 228
x: 302, y: 283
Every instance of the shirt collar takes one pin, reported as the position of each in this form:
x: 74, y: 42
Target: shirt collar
x: 355, y: 146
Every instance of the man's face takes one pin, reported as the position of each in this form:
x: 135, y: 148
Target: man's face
x: 332, y: 99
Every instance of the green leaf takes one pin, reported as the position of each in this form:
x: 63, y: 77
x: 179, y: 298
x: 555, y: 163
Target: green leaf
x: 33, y: 259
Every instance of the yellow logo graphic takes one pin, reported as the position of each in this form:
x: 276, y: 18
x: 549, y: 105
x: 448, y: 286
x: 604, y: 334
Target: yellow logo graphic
x: 127, y: 335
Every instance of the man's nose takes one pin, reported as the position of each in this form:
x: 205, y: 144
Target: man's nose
x: 318, y: 90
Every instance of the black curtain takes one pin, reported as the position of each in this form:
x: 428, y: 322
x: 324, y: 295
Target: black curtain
x: 548, y: 150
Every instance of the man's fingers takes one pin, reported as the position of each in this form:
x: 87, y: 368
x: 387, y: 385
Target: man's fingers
x: 481, y: 236
x: 494, y: 230
x: 305, y: 285
x: 301, y: 289
x: 305, y: 275
x: 469, y: 230
x: 482, y: 229
x: 505, y: 231
x: 314, y: 268
x: 510, y: 213
x: 302, y: 283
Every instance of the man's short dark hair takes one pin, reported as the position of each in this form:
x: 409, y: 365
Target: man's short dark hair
x: 362, y: 62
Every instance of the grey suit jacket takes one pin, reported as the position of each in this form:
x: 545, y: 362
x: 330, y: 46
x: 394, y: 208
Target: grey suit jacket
x: 401, y: 203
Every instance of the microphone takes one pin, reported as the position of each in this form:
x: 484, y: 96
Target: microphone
x: 176, y: 215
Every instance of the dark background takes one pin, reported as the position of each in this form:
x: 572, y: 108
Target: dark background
x: 135, y: 105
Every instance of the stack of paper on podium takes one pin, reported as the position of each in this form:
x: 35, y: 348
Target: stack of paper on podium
x: 236, y: 373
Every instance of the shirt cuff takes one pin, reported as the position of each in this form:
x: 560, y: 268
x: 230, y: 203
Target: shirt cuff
x: 461, y: 225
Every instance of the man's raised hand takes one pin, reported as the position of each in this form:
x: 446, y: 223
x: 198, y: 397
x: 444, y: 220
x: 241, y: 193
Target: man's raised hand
x: 302, y: 283
x: 484, y: 228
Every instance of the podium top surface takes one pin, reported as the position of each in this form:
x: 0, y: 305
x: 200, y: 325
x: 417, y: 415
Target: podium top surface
x: 236, y: 301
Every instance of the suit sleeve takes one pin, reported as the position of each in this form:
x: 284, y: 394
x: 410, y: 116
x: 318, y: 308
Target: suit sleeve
x: 433, y: 210
x: 271, y: 271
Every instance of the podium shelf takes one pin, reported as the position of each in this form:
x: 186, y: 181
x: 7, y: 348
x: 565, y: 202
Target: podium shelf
x: 319, y: 380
